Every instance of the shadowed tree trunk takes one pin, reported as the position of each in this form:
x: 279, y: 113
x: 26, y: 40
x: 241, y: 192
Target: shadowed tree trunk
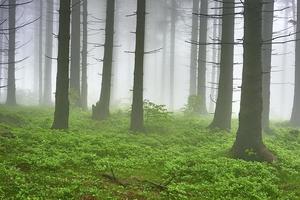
x: 61, y: 114
x: 222, y: 117
x: 172, y: 52
x: 101, y: 110
x: 295, y: 118
x: 267, y: 33
x: 84, y: 54
x: 41, y: 55
x: 75, y: 52
x: 201, y: 87
x: 249, y: 144
x: 137, y: 113
x: 11, y: 79
x: 48, y: 51
x: 194, y: 49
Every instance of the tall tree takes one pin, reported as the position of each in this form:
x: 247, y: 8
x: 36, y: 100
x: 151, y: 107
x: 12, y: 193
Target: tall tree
x: 201, y: 87
x: 295, y: 118
x: 75, y: 51
x: 11, y: 79
x: 84, y: 54
x: 194, y: 49
x: 222, y: 117
x: 49, y: 49
x: 101, y: 110
x: 172, y: 51
x: 137, y: 113
x: 61, y: 114
x: 249, y: 144
x: 267, y: 33
x: 41, y: 51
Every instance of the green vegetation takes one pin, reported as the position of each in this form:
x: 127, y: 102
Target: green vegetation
x: 177, y: 158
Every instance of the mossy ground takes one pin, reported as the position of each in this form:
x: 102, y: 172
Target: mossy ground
x: 177, y: 158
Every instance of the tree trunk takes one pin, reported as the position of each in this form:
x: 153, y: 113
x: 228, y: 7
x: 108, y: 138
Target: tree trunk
x: 249, y: 144
x: 201, y: 88
x: 101, y: 110
x: 172, y: 52
x: 194, y: 49
x: 61, y: 114
x: 295, y: 118
x: 11, y: 80
x: 267, y: 33
x: 84, y: 54
x: 137, y: 113
x: 222, y: 117
x: 41, y: 55
x: 48, y: 51
x: 75, y: 52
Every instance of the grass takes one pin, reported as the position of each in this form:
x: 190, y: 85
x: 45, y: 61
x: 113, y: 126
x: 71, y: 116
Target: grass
x: 177, y: 158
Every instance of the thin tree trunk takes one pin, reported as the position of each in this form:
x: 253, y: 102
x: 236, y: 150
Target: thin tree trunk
x: 101, y: 110
x: 249, y: 144
x: 215, y: 58
x: 41, y: 55
x: 61, y: 114
x: 164, y: 24
x: 194, y: 49
x: 137, y: 113
x: 49, y: 52
x: 36, y: 52
x: 11, y: 80
x: 295, y: 118
x: 222, y: 117
x: 172, y: 52
x: 84, y: 54
x: 201, y: 88
x: 75, y: 52
x: 267, y: 28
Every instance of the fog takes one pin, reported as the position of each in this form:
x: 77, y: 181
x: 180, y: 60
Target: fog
x: 157, y: 76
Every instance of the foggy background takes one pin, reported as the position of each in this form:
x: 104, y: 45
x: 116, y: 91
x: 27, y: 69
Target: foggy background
x: 156, y: 69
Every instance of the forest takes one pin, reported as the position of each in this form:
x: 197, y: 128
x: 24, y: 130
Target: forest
x: 149, y: 99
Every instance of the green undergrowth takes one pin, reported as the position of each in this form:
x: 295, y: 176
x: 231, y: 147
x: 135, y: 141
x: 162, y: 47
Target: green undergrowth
x: 176, y: 158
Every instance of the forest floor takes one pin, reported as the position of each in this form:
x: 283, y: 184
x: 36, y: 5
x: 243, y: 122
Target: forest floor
x: 177, y: 158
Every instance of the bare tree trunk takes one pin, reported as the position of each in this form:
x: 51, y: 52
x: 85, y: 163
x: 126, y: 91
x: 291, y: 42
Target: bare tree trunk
x: 75, y: 52
x: 61, y: 114
x: 249, y: 144
x: 172, y: 52
x: 11, y: 80
x: 101, y: 110
x: 222, y: 117
x: 41, y: 55
x: 215, y: 59
x: 267, y: 28
x: 137, y: 113
x: 36, y: 52
x: 194, y: 49
x: 84, y: 54
x: 49, y: 53
x: 295, y: 118
x: 201, y: 88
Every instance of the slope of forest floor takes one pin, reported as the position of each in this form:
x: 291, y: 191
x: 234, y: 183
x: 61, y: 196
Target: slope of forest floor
x: 177, y: 158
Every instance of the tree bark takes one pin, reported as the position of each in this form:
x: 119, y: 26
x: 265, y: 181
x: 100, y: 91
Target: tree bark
x: 201, y: 87
x: 11, y: 79
x: 75, y: 52
x: 267, y: 33
x: 61, y: 114
x: 84, y: 54
x: 137, y: 113
x: 101, y: 110
x: 222, y: 117
x: 194, y: 49
x: 295, y: 118
x: 249, y: 144
x: 49, y: 52
x: 172, y: 52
